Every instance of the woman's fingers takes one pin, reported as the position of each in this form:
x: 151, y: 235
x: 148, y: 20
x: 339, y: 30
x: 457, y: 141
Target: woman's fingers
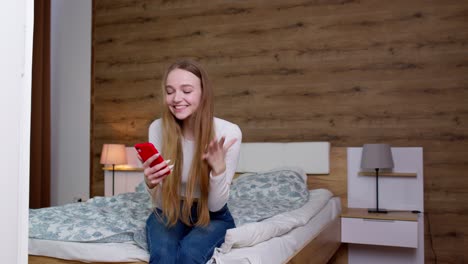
x: 221, y: 142
x: 148, y: 162
x: 160, y: 175
x: 230, y: 143
x: 216, y: 145
x: 159, y: 166
x: 158, y: 180
x: 154, y: 175
x: 157, y: 170
x: 213, y: 144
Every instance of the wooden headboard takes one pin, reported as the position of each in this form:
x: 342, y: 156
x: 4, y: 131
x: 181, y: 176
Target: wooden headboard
x: 336, y: 181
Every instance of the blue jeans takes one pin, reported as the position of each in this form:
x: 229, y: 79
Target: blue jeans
x: 186, y: 244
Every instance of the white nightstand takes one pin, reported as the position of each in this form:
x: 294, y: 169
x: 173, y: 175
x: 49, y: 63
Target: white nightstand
x: 393, y: 238
x: 398, y: 229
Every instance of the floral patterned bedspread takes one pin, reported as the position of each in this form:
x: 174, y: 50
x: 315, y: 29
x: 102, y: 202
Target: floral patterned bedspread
x: 119, y: 218
x: 122, y: 218
x: 255, y: 197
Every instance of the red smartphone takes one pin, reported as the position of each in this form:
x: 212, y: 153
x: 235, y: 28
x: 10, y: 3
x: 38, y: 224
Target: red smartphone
x: 146, y: 150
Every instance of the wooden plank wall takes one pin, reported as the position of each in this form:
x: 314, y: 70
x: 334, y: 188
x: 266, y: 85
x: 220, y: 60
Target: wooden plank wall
x: 347, y: 71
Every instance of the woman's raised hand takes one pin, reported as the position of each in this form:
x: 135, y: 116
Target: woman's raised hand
x: 154, y: 175
x: 215, y: 155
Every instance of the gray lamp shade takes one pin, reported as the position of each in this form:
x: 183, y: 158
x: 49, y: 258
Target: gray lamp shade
x: 376, y: 156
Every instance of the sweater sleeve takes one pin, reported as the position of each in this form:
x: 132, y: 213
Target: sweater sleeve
x: 155, y: 134
x: 155, y: 137
x: 220, y: 185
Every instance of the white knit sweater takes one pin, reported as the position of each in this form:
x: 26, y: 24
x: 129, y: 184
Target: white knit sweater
x: 219, y: 185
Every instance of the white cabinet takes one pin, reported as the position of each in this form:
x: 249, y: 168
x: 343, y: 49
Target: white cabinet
x: 360, y: 227
x: 126, y: 177
x: 393, y: 238
x: 125, y: 180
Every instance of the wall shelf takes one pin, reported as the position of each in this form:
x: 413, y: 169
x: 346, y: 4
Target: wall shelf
x: 388, y: 174
x: 122, y: 168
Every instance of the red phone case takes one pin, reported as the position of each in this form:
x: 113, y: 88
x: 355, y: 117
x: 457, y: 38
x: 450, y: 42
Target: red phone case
x: 146, y: 150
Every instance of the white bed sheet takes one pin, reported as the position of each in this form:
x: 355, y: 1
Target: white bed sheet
x: 88, y: 252
x: 275, y: 250
x: 279, y: 249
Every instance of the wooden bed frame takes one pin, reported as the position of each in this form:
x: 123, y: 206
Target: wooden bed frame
x: 319, y: 249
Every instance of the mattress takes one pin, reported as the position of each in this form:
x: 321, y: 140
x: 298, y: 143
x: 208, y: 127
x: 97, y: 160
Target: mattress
x: 275, y: 250
x: 279, y: 249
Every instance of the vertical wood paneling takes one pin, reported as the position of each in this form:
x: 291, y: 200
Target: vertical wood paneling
x: 347, y: 71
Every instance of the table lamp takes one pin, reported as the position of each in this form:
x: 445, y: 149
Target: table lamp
x: 114, y: 154
x: 376, y: 156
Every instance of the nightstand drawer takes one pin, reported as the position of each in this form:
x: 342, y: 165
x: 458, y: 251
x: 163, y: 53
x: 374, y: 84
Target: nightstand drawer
x: 379, y: 232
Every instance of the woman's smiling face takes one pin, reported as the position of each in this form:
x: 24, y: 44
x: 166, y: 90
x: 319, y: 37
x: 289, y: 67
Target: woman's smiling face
x: 183, y: 93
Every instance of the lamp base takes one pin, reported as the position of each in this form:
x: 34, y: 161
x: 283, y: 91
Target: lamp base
x: 377, y: 211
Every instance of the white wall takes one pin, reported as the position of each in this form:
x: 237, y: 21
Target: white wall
x: 16, y: 29
x: 70, y: 100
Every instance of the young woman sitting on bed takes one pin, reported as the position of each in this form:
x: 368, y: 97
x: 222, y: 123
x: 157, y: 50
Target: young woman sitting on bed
x: 191, y: 216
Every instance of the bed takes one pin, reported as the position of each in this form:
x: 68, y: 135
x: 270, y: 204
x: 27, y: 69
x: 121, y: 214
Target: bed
x: 313, y: 240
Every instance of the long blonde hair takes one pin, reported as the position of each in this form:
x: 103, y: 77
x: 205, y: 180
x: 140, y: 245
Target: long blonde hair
x: 172, y: 149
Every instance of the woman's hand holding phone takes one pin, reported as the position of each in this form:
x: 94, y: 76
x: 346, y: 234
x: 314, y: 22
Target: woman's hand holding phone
x: 155, y: 167
x: 154, y: 175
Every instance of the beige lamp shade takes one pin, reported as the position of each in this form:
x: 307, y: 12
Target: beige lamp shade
x: 113, y: 154
x: 376, y: 156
